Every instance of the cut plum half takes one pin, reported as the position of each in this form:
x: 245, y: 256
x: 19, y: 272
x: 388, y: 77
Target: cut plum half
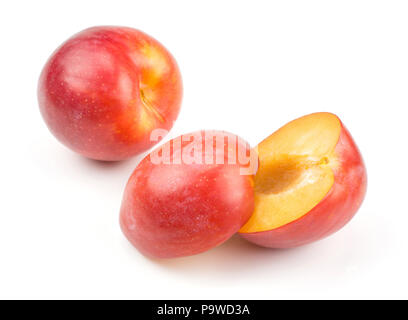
x: 299, y: 167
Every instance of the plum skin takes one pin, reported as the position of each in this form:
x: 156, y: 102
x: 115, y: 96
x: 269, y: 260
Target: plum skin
x: 176, y: 210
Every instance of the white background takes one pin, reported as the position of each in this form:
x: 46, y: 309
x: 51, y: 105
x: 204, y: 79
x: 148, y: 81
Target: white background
x: 248, y: 67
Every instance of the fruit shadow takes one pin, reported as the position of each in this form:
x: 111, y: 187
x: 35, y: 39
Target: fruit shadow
x: 232, y: 257
x: 113, y: 169
x: 109, y: 165
x: 108, y: 177
x: 333, y: 259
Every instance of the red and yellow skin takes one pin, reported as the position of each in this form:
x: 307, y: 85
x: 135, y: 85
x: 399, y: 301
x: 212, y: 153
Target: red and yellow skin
x: 341, y: 195
x: 105, y: 89
x: 181, y: 209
